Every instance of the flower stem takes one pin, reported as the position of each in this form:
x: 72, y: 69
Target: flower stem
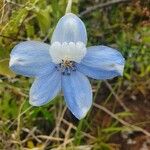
x: 69, y: 5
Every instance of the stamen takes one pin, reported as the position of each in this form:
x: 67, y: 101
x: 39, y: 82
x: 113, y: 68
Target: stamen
x: 66, y: 67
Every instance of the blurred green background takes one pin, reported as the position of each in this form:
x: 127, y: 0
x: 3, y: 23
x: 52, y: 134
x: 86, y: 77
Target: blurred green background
x: 120, y: 116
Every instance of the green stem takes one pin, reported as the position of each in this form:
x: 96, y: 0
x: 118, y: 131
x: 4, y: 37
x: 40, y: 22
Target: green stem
x: 69, y: 5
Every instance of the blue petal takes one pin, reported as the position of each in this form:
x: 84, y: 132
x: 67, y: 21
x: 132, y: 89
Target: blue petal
x: 45, y: 88
x: 96, y: 73
x: 70, y: 28
x: 77, y: 93
x: 31, y: 58
x: 102, y: 62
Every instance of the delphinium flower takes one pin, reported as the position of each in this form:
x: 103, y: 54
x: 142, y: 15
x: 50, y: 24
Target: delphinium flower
x: 65, y: 64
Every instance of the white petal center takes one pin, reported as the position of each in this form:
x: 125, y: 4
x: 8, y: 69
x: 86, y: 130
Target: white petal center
x: 67, y: 51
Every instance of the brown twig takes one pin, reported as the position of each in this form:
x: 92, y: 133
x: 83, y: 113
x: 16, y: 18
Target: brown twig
x: 58, y: 124
x: 31, y: 134
x: 133, y: 127
x: 50, y: 138
x: 116, y: 97
x: 99, y: 6
x: 75, y: 128
x: 14, y: 39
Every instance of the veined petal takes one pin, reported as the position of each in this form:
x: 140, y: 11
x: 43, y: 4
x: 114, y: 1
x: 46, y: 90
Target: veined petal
x: 70, y: 28
x: 45, y: 88
x: 102, y: 62
x: 31, y: 58
x: 77, y: 93
x: 96, y: 73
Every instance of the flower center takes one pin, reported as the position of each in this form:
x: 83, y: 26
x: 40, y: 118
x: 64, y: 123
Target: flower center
x: 66, y: 67
x: 65, y: 55
x: 67, y: 52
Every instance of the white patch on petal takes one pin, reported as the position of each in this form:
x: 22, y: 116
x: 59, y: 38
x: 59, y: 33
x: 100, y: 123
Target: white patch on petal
x: 15, y: 61
x: 119, y: 68
x: 67, y: 51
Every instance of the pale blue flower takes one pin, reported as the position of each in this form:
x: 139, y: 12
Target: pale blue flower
x: 64, y: 65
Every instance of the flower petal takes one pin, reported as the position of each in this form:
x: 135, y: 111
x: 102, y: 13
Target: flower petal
x: 77, y: 93
x: 96, y: 73
x: 45, y: 88
x: 102, y: 62
x: 31, y: 58
x: 70, y: 28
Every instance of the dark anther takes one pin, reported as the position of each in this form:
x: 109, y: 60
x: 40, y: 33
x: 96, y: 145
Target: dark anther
x: 66, y: 67
x: 63, y: 73
x: 73, y: 69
